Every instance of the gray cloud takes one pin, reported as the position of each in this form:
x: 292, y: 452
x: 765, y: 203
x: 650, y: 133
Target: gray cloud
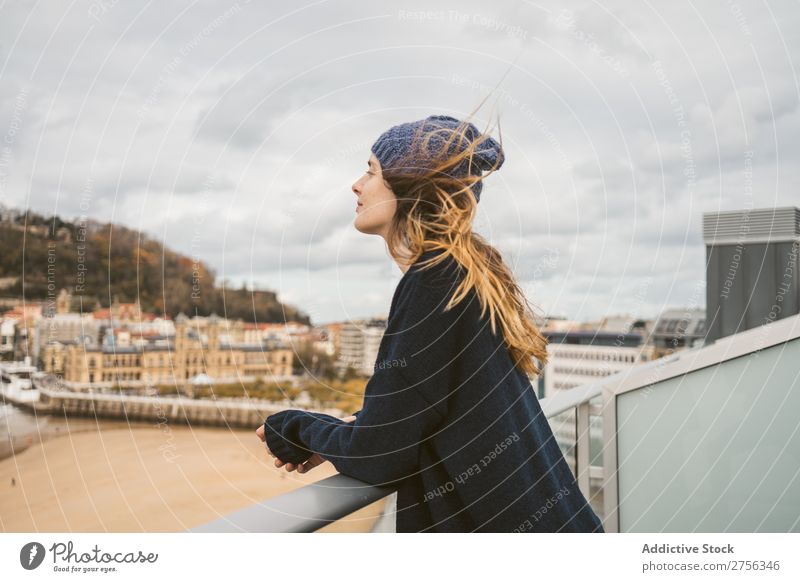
x: 622, y: 124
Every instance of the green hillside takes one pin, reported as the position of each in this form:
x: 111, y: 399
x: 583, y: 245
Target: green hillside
x: 96, y: 262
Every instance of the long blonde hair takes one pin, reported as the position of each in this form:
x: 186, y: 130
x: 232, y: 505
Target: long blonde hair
x: 435, y: 210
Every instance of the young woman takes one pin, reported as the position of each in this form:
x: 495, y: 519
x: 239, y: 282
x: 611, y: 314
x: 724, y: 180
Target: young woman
x: 450, y: 417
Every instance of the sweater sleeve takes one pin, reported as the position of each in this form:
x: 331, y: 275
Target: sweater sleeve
x: 282, y: 445
x: 404, y: 400
x: 379, y: 447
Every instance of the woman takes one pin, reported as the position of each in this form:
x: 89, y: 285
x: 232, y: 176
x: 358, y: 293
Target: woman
x: 449, y: 417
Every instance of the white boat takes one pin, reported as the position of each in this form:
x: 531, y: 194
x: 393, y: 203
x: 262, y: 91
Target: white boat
x: 16, y: 382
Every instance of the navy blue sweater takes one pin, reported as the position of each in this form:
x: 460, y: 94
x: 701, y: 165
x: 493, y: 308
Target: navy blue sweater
x: 449, y: 421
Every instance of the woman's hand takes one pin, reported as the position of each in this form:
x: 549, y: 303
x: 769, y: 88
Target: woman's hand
x: 313, y: 461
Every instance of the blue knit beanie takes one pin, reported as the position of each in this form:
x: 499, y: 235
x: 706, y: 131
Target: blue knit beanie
x: 395, y: 144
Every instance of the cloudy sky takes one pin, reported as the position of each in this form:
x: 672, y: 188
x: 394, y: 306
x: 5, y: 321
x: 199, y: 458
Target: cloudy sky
x: 233, y: 131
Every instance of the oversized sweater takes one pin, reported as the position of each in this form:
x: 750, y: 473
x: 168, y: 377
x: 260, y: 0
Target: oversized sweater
x: 449, y: 421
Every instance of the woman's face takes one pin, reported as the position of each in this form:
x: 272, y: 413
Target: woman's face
x: 376, y: 203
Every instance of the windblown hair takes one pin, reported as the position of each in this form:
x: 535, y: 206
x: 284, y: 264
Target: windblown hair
x: 435, y: 210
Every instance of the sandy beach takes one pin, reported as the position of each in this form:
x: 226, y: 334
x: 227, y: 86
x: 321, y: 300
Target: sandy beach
x: 141, y: 478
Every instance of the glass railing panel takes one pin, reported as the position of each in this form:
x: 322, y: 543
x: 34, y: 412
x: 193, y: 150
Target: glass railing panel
x: 596, y: 457
x: 714, y: 450
x: 564, y: 429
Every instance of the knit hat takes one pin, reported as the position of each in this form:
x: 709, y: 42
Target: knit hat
x: 392, y: 147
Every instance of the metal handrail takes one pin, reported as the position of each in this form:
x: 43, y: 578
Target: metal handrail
x: 327, y: 501
x: 316, y: 505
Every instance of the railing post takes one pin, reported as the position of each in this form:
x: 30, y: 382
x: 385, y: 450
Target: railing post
x: 582, y: 441
x: 610, y: 492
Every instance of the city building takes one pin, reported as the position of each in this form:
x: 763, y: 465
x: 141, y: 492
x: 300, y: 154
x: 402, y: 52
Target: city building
x: 678, y: 329
x: 25, y: 315
x: 8, y: 335
x: 576, y: 357
x: 63, y: 327
x: 194, y: 352
x: 752, y: 268
x: 359, y: 343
